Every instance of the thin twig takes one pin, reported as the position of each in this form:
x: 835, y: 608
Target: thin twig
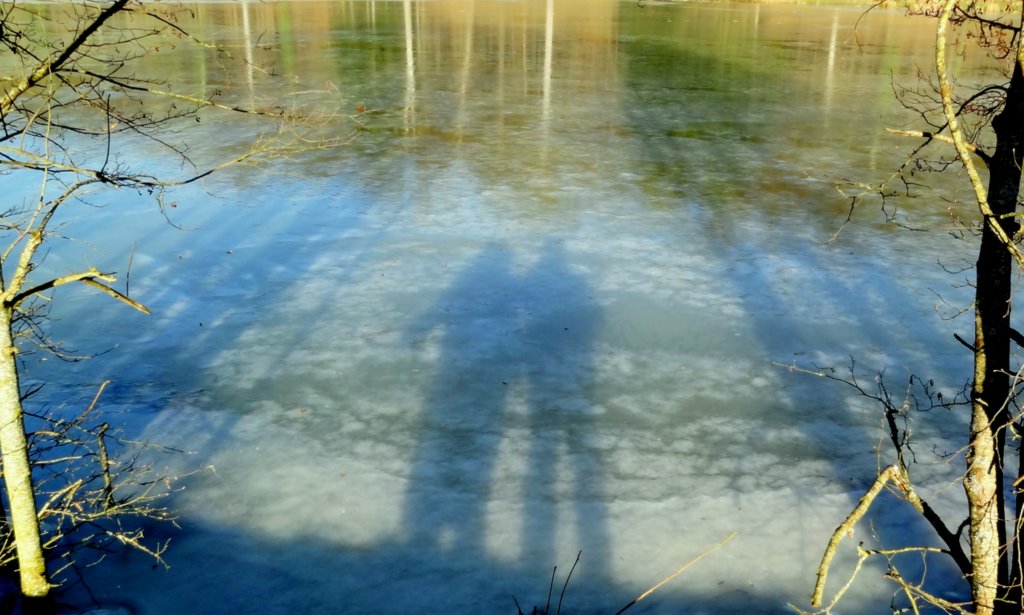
x: 566, y: 584
x: 676, y: 573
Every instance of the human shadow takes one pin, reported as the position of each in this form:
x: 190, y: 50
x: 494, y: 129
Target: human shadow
x: 506, y: 460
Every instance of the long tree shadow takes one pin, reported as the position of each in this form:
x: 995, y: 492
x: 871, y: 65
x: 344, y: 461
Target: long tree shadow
x: 801, y: 299
x: 332, y: 494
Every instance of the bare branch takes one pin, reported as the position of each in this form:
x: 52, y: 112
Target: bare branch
x: 115, y: 294
x: 81, y: 276
x: 846, y: 528
x: 938, y: 137
x: 48, y: 67
x: 956, y: 135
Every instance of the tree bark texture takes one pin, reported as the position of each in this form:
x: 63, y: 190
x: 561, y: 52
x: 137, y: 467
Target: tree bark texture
x: 17, y: 472
x: 1003, y: 193
x: 993, y: 585
x: 992, y: 387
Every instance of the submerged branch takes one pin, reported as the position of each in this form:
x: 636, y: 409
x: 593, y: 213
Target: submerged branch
x: 117, y: 295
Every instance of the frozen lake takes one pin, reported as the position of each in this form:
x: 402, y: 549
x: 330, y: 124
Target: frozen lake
x: 531, y: 309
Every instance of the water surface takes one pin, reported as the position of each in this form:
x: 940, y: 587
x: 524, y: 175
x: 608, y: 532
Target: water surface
x: 532, y: 309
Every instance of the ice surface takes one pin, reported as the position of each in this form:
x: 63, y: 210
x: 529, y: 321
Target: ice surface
x: 445, y: 359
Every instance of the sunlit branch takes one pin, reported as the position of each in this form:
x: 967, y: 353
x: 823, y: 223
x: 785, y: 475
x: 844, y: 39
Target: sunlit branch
x: 946, y: 92
x: 48, y: 67
x: 92, y: 281
x: 199, y: 42
x: 938, y: 137
x: 35, y: 232
x: 272, y: 146
x: 196, y: 100
x: 989, y: 23
x: 846, y: 528
x: 915, y: 592
x: 55, y: 282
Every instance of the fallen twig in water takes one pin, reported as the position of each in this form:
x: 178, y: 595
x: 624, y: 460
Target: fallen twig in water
x: 676, y: 573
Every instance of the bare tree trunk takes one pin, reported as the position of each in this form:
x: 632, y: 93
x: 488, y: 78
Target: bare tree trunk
x: 17, y: 471
x: 993, y: 586
x: 990, y: 396
x: 992, y: 387
x: 983, y: 482
x: 1003, y: 193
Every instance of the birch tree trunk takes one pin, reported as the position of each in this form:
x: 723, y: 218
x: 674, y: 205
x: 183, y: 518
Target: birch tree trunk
x: 995, y: 585
x: 17, y: 472
x: 992, y: 553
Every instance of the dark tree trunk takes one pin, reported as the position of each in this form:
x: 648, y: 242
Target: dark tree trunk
x: 994, y: 295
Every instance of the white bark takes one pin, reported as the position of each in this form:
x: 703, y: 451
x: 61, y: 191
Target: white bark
x: 17, y: 472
